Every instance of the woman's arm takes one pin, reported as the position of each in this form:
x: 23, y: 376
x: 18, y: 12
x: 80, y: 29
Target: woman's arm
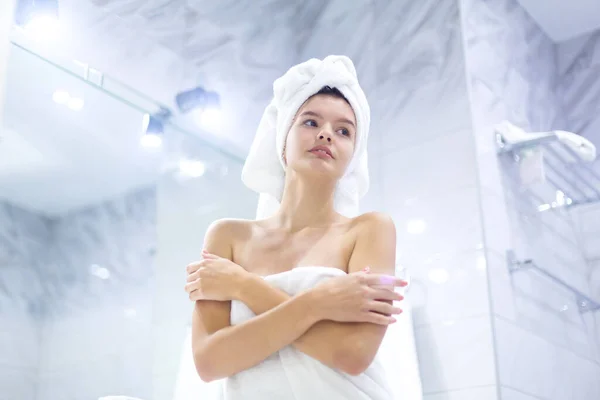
x: 348, y: 346
x: 221, y: 350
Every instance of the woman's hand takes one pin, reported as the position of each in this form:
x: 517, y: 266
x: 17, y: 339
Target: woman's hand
x: 358, y: 297
x: 214, y: 278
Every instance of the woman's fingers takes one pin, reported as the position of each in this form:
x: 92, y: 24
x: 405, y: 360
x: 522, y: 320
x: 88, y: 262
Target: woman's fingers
x: 190, y: 287
x: 385, y: 280
x: 206, y: 254
x: 195, y: 295
x: 196, y: 265
x: 385, y: 294
x: 192, y: 277
x: 192, y: 267
x: 383, y: 308
x: 193, y: 285
x: 378, y: 319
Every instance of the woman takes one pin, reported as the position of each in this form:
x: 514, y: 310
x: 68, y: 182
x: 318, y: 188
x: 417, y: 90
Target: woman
x: 296, y: 304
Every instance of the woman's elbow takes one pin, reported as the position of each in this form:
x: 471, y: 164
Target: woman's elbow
x: 356, y: 366
x: 354, y: 361
x: 204, y: 367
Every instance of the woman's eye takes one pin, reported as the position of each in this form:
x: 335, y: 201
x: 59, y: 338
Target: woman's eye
x: 344, y: 132
x: 310, y: 122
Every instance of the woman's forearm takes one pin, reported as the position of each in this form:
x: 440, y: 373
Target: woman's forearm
x: 239, y: 347
x: 324, y: 341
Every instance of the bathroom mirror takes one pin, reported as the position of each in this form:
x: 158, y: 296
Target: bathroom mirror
x: 97, y: 222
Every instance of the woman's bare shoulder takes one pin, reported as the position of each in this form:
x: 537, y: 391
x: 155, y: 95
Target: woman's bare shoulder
x: 231, y: 227
x: 373, y: 219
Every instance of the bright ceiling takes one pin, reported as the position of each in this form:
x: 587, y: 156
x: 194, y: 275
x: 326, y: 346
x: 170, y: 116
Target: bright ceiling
x: 563, y: 20
x: 54, y: 159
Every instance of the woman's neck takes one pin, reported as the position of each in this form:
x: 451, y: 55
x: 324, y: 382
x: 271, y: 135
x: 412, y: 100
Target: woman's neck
x: 306, y: 203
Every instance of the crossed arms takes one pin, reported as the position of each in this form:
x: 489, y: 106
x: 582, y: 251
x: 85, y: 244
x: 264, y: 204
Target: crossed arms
x: 222, y: 350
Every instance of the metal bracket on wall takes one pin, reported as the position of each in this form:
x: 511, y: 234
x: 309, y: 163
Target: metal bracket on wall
x: 584, y: 303
x: 578, y: 180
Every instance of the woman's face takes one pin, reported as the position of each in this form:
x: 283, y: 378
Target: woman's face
x: 322, y: 136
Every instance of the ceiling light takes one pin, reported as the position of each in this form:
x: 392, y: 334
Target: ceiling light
x: 205, y: 104
x: 209, y: 118
x: 39, y: 18
x: 61, y: 97
x: 192, y: 168
x: 75, y: 103
x: 196, y: 98
x: 153, y: 128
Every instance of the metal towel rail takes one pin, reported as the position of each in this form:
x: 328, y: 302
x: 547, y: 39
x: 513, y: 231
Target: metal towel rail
x: 584, y: 303
x: 578, y: 181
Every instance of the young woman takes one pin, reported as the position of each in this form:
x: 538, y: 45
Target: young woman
x: 332, y: 328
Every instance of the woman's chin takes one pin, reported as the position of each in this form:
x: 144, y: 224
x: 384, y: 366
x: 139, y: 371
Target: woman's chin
x: 321, y: 169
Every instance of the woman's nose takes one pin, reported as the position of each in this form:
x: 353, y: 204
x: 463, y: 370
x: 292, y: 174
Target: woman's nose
x: 325, y: 134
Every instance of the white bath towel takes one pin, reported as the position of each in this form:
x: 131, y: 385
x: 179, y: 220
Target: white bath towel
x: 290, y: 374
x: 264, y: 171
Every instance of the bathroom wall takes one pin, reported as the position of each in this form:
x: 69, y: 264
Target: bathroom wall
x: 186, y: 206
x: 426, y: 171
x: 96, y: 335
x: 24, y: 240
x: 579, y: 69
x: 76, y: 300
x: 579, y: 72
x: 544, y: 348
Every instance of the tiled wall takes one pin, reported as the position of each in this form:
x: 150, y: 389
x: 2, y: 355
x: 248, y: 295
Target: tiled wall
x: 544, y: 348
x: 185, y: 209
x: 96, y: 337
x: 79, y: 291
x: 425, y: 170
x: 24, y: 240
x: 579, y: 68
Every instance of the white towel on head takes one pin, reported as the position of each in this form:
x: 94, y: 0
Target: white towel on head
x: 264, y: 170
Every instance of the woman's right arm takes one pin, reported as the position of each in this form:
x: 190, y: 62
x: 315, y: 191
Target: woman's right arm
x: 221, y: 350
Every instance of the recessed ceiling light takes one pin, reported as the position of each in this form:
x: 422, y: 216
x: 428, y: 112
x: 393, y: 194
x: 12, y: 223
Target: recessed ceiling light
x: 75, y: 103
x: 61, y: 97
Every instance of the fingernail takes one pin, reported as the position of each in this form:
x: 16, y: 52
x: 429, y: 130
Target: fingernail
x: 393, y: 320
x: 367, y: 269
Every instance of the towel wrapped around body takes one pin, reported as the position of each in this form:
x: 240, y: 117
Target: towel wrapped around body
x: 291, y: 374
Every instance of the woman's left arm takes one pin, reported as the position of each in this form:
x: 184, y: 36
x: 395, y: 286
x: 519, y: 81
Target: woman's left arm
x: 350, y: 347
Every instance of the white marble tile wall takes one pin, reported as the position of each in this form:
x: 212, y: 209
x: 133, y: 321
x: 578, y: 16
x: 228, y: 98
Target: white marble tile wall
x: 77, y: 300
x: 185, y: 209
x: 579, y: 70
x: 96, y: 338
x: 24, y: 239
x: 428, y: 184
x: 513, y: 74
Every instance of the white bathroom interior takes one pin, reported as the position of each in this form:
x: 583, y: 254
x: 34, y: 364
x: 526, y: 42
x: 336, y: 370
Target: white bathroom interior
x: 124, y: 125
